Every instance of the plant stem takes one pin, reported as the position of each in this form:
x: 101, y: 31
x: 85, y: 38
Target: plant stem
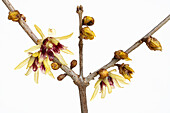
x: 133, y: 47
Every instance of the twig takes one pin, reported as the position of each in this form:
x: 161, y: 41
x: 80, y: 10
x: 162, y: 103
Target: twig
x: 137, y: 44
x: 80, y: 12
x: 26, y: 28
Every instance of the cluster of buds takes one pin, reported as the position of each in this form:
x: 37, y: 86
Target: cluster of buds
x: 16, y: 16
x: 153, y: 44
x: 86, y: 32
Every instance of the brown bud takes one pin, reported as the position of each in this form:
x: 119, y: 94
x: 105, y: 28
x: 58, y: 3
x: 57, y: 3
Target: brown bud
x: 55, y: 66
x: 73, y: 64
x: 14, y: 16
x: 61, y: 77
x: 103, y: 73
x: 153, y: 44
x: 121, y: 55
x: 87, y: 33
x: 87, y: 20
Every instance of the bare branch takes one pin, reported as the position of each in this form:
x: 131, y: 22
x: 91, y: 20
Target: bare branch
x: 26, y: 28
x: 137, y: 44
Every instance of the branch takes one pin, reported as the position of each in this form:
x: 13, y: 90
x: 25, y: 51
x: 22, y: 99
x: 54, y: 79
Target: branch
x: 26, y: 28
x: 133, y: 47
x: 80, y: 12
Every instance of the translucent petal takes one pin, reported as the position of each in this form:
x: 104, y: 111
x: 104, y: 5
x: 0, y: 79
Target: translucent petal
x: 47, y: 66
x: 28, y: 72
x: 51, y: 74
x: 117, y: 83
x: 51, y: 32
x: 116, y: 76
x: 67, y: 51
x: 39, y: 31
x: 98, y: 83
x: 108, y: 85
x: 94, y: 93
x: 22, y: 64
x: 123, y: 82
x: 64, y: 37
x: 61, y: 59
x: 30, y: 62
x: 33, y: 48
x: 36, y: 76
x: 103, y: 92
x: 54, y: 41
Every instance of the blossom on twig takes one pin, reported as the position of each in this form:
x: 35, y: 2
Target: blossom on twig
x: 121, y: 55
x: 87, y: 33
x: 107, y: 79
x: 153, y: 44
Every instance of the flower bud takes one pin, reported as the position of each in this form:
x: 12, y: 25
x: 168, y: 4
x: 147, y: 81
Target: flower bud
x: 153, y: 44
x: 121, y: 55
x: 61, y: 77
x: 55, y: 66
x: 14, y: 16
x: 87, y: 33
x: 73, y: 64
x: 87, y: 20
x: 103, y: 73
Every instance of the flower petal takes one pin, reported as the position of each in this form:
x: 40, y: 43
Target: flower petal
x: 61, y: 59
x: 67, y: 51
x: 108, y: 85
x: 39, y: 31
x: 103, y: 92
x: 36, y: 76
x: 22, y: 63
x: 30, y: 62
x: 123, y: 82
x: 64, y: 37
x: 51, y: 32
x: 117, y: 76
x: 47, y: 66
x: 28, y: 72
x: 98, y: 83
x: 94, y: 93
x: 51, y: 74
x: 117, y: 83
x: 33, y: 48
x: 54, y: 41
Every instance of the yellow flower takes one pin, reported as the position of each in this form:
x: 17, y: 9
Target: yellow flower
x: 50, y: 46
x: 87, y: 33
x: 121, y: 55
x: 153, y: 44
x: 33, y: 64
x: 107, y: 82
x: 126, y: 71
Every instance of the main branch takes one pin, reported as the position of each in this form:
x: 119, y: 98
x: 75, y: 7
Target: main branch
x: 137, y: 44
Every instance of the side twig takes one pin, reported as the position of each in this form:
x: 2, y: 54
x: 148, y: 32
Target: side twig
x: 133, y: 47
x: 26, y: 28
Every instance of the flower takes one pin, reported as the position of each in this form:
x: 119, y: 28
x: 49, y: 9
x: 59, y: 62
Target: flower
x: 121, y: 55
x: 108, y: 82
x: 34, y: 65
x: 153, y: 44
x: 126, y: 71
x: 50, y: 46
x: 87, y: 33
x: 87, y: 20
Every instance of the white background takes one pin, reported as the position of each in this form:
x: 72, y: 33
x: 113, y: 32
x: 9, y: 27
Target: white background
x: 118, y: 25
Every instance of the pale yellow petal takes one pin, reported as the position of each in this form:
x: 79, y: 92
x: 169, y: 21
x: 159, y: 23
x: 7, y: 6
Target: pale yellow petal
x: 36, y: 54
x: 113, y: 70
x: 30, y: 62
x: 116, y: 76
x: 108, y: 85
x: 117, y: 83
x: 33, y: 48
x: 103, y: 92
x: 94, y: 93
x: 22, y: 63
x: 39, y: 31
x: 47, y: 66
x: 123, y: 82
x: 127, y: 59
x: 51, y: 74
x: 28, y: 72
x: 36, y: 76
x: 61, y: 59
x: 98, y: 83
x: 67, y: 51
x: 64, y: 37
x: 51, y: 32
x: 54, y: 41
